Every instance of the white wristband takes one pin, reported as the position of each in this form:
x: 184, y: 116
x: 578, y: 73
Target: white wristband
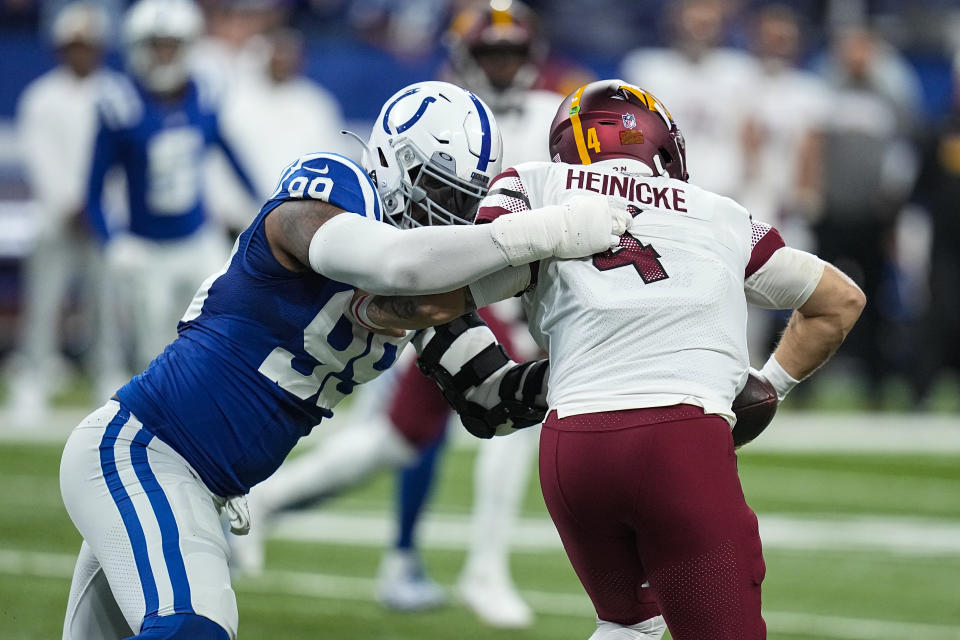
x: 776, y: 375
x: 358, y: 309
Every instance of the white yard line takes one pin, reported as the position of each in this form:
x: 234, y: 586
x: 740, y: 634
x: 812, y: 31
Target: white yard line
x: 894, y: 535
x: 298, y: 583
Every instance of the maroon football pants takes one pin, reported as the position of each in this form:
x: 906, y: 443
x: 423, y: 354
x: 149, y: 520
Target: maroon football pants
x: 417, y: 409
x: 649, y: 506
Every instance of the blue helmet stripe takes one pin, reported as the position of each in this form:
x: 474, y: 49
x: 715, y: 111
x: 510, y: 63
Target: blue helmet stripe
x: 485, y: 125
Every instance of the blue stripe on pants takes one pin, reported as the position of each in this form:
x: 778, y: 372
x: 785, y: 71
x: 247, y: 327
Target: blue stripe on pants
x: 169, y: 534
x: 128, y: 513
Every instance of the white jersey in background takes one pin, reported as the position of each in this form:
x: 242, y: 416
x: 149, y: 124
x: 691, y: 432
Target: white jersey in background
x: 56, y: 124
x: 526, y: 127
x: 269, y: 123
x: 709, y: 97
x: 672, y: 294
x: 788, y: 105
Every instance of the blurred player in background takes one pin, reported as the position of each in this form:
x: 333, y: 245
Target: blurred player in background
x: 647, y: 352
x: 867, y: 171
x: 271, y: 115
x: 496, y: 53
x: 500, y: 54
x: 784, y: 124
x: 56, y: 124
x: 708, y: 87
x: 938, y: 190
x: 267, y: 349
x: 157, y: 124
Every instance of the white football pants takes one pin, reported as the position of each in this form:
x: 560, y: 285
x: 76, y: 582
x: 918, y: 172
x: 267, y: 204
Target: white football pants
x: 60, y: 256
x: 153, y: 544
x: 156, y: 281
x: 652, y: 629
x: 501, y: 472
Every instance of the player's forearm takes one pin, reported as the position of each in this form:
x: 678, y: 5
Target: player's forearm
x: 807, y: 343
x: 818, y: 328
x: 384, y: 260
x: 417, y: 312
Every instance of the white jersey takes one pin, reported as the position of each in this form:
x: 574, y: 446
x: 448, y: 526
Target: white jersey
x: 526, y: 128
x: 708, y: 98
x: 788, y: 105
x: 57, y: 124
x: 661, y: 320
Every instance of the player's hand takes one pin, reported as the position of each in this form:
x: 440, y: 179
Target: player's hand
x: 357, y: 313
x: 590, y: 224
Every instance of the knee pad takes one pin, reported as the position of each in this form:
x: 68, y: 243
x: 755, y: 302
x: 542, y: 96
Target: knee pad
x: 180, y: 626
x: 652, y: 629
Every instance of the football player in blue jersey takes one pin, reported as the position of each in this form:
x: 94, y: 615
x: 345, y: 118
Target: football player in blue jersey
x: 277, y: 337
x: 157, y: 122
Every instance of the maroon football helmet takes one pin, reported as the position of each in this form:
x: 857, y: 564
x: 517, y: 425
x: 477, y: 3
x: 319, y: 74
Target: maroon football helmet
x: 611, y: 119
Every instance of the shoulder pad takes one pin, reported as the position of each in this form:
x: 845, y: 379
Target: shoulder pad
x: 332, y: 178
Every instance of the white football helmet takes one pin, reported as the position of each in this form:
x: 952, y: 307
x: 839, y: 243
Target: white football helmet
x: 148, y: 23
x: 433, y: 151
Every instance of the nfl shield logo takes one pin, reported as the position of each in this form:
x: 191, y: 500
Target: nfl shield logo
x: 629, y: 121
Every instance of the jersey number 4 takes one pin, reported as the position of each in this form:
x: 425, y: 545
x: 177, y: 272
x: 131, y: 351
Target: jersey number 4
x: 631, y: 251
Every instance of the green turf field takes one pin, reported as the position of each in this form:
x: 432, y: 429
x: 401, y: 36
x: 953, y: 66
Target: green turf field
x: 859, y: 547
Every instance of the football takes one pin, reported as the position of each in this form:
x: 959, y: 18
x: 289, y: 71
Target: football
x: 755, y: 407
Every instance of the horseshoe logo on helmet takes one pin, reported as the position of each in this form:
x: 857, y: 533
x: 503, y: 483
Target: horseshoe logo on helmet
x: 416, y: 116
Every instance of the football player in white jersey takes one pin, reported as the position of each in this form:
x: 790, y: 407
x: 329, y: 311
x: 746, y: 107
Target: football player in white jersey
x: 648, y: 349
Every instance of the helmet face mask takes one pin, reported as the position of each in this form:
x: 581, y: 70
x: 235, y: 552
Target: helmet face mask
x: 611, y: 119
x: 433, y: 152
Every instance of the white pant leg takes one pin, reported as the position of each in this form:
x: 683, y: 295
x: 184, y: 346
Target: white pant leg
x: 92, y: 611
x: 150, y: 522
x: 501, y: 472
x: 652, y: 629
x: 160, y: 279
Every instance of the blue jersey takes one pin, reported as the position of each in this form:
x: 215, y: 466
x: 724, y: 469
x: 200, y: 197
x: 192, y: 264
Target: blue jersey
x: 263, y: 354
x: 162, y: 148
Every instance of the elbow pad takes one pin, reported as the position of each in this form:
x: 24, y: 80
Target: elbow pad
x: 492, y: 394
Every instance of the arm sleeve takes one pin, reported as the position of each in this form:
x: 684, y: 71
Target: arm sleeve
x: 104, y: 156
x: 385, y: 260
x: 785, y: 280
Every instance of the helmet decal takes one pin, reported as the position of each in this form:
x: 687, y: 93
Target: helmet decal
x: 577, y: 127
x: 485, y: 126
x: 611, y: 119
x: 416, y: 116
